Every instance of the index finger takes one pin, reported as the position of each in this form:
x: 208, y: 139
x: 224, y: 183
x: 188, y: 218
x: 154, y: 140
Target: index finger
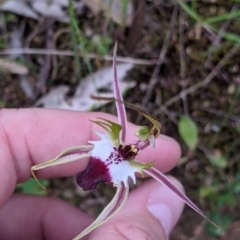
x: 31, y: 136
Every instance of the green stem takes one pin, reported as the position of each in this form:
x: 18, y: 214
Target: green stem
x: 80, y: 38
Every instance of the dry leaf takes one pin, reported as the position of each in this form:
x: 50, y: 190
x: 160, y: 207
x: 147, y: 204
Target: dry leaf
x: 99, y: 84
x: 113, y: 9
x: 13, y: 67
x: 18, y: 7
x: 37, y: 8
x: 57, y: 9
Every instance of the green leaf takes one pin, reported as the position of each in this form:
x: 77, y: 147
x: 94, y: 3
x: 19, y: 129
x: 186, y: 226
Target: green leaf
x: 218, y: 160
x: 222, y: 220
x: 187, y: 129
x: 226, y: 199
x: 31, y: 187
x: 207, y: 191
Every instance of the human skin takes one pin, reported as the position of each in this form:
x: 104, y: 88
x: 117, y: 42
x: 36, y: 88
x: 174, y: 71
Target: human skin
x: 31, y: 136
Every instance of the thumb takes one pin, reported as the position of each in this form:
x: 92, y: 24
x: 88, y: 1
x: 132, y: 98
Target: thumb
x: 151, y: 212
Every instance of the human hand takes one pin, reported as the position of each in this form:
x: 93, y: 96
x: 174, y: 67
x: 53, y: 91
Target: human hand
x: 31, y: 136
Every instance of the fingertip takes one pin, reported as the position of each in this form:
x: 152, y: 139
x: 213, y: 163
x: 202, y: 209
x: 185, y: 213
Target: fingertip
x: 165, y: 155
x: 171, y: 152
x: 151, y: 212
x: 165, y: 206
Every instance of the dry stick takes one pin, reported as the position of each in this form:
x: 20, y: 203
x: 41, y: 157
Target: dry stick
x: 221, y: 113
x: 161, y: 57
x: 182, y: 61
x: 206, y: 81
x: 70, y: 53
x: 43, y: 25
x: 219, y: 37
x: 46, y: 66
x: 170, y: 116
x: 54, y: 43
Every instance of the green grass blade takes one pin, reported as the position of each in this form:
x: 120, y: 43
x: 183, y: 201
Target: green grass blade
x: 124, y: 5
x: 74, y: 41
x: 190, y: 11
x: 80, y: 38
x: 223, y: 17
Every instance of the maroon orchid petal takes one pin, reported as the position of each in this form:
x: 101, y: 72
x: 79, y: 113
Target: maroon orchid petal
x: 96, y: 172
x: 121, y: 111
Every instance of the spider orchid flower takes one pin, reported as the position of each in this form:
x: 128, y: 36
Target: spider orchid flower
x: 112, y: 160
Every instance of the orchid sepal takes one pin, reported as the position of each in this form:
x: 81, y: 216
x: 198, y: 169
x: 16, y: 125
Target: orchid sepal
x: 112, y: 128
x: 141, y: 166
x: 109, y: 211
x: 161, y: 178
x: 155, y: 130
x: 120, y: 106
x: 70, y: 154
x: 152, y: 133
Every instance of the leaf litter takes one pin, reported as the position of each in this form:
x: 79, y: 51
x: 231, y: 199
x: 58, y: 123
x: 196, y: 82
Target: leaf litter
x: 99, y: 83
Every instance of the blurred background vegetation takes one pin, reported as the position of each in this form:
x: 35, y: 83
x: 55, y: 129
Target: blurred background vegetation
x: 184, y: 61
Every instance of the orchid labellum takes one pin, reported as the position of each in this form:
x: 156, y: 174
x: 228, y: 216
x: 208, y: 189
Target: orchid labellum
x: 112, y: 160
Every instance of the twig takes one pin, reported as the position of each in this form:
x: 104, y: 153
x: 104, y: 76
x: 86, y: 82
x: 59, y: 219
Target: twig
x: 182, y: 61
x: 221, y: 113
x: 31, y: 51
x: 161, y: 57
x: 203, y: 83
x: 54, y: 43
x: 42, y: 25
x: 46, y: 66
x: 170, y: 116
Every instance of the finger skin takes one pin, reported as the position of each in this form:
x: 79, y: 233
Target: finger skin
x: 31, y: 136
x: 134, y: 221
x: 32, y: 217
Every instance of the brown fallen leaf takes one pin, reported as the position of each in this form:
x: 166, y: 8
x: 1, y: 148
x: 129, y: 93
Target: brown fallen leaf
x: 12, y: 67
x: 113, y: 9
